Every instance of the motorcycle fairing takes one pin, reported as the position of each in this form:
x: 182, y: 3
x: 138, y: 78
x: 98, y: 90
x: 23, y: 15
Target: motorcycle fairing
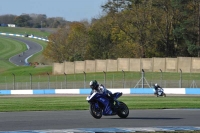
x: 159, y: 91
x: 102, y: 99
x: 117, y: 95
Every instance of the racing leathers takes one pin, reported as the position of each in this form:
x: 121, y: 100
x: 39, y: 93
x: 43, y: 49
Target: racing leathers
x: 105, y: 101
x: 156, y: 87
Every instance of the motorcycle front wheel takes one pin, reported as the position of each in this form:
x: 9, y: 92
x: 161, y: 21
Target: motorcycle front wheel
x: 123, y: 110
x: 96, y: 112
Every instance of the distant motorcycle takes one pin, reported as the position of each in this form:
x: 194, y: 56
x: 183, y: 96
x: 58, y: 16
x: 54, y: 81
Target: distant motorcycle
x: 96, y: 106
x: 160, y: 92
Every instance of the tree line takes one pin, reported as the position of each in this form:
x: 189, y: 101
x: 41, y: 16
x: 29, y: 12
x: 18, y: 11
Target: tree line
x: 131, y: 29
x: 33, y: 20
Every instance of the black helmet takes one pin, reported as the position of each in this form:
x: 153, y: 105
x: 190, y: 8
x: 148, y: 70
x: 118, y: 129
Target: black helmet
x: 93, y: 85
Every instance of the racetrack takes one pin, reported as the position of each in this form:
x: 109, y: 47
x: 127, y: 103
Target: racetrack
x: 33, y: 48
x: 63, y: 121
x: 81, y: 120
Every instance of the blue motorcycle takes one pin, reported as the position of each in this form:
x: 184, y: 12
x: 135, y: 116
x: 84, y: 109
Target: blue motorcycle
x: 101, y: 104
x: 160, y: 93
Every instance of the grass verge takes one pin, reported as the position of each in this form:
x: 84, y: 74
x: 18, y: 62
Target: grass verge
x: 58, y: 103
x: 9, y: 48
x: 23, y: 31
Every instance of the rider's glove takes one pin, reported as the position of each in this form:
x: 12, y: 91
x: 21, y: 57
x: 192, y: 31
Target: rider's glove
x: 111, y: 95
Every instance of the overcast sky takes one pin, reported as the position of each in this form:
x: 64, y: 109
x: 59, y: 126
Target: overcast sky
x: 70, y: 10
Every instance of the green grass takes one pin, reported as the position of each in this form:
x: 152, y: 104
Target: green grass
x: 56, y: 103
x: 22, y: 31
x: 9, y: 48
x: 26, y: 70
x: 39, y: 57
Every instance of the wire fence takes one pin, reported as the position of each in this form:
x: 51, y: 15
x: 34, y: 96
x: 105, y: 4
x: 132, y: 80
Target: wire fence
x: 109, y: 80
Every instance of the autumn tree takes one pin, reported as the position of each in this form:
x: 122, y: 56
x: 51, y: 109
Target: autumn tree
x: 77, y: 41
x: 132, y: 20
x: 57, y: 46
x: 7, y: 19
x: 187, y: 29
x: 100, y: 40
x: 23, y: 20
x: 67, y: 44
x: 133, y: 28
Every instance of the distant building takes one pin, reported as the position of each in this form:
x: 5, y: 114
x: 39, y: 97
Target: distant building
x: 11, y: 25
x: 4, y: 25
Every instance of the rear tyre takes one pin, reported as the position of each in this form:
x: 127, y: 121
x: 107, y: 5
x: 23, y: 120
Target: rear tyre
x: 123, y: 110
x: 96, y: 112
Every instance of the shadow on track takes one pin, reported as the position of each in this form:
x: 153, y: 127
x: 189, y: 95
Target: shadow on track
x: 147, y: 118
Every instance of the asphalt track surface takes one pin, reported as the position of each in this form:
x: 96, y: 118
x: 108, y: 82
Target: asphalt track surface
x: 32, y: 48
x: 62, y: 120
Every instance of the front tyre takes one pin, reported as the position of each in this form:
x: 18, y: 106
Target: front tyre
x: 123, y: 110
x: 95, y: 111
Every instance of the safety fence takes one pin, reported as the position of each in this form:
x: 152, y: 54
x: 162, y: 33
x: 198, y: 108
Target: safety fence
x: 109, y: 80
x: 108, y: 84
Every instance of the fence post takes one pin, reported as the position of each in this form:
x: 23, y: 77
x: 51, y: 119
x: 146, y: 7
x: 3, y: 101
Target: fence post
x: 13, y: 81
x: 161, y: 77
x: 84, y: 79
x: 30, y: 81
x: 48, y: 80
x: 104, y: 78
x: 123, y: 78
x: 65, y: 80
x: 142, y: 78
x: 180, y: 78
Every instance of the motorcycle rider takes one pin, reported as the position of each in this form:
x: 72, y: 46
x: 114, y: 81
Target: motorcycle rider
x: 99, y: 88
x: 156, y: 87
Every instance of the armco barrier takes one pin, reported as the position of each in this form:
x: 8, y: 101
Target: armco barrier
x: 194, y: 91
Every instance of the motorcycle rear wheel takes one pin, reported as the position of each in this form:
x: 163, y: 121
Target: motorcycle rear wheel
x: 123, y: 110
x: 95, y: 112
